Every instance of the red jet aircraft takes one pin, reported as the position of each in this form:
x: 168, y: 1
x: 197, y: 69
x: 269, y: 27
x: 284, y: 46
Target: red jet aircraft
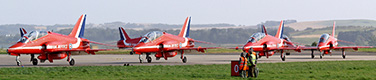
x: 50, y: 45
x: 327, y: 43
x: 267, y: 45
x: 166, y: 45
x: 125, y: 41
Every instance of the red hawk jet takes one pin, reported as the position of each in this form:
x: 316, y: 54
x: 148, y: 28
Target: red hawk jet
x: 166, y: 45
x: 51, y: 46
x: 327, y: 43
x: 267, y: 45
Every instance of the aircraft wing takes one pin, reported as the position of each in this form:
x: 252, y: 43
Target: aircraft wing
x: 89, y: 51
x: 351, y: 47
x: 101, y: 43
x: 285, y: 48
x: 200, y: 49
x: 308, y: 48
x: 338, y: 48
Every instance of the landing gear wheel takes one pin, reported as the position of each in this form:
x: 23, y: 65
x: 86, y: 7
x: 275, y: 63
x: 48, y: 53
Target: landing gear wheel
x: 184, y: 59
x: 312, y: 55
x: 343, y: 54
x: 71, y: 62
x: 321, y: 55
x: 283, y: 57
x: 148, y: 59
x: 35, y: 61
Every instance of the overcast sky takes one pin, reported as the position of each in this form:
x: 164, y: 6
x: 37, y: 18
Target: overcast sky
x: 244, y: 12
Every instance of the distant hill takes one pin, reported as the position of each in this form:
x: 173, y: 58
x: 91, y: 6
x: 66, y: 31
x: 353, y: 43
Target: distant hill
x: 12, y: 29
x: 326, y: 23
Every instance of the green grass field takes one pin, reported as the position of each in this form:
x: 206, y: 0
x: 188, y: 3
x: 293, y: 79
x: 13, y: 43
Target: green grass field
x: 340, y: 70
x: 367, y: 49
x: 3, y: 51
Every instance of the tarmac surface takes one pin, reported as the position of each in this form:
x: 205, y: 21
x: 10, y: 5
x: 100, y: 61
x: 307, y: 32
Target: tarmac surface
x: 221, y: 58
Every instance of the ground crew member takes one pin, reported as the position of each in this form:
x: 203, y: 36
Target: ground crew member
x: 251, y: 55
x: 243, y: 67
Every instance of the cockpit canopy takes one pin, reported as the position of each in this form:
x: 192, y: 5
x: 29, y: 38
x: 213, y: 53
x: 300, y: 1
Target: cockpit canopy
x: 324, y: 38
x: 33, y: 35
x: 256, y: 37
x: 286, y: 38
x: 150, y: 36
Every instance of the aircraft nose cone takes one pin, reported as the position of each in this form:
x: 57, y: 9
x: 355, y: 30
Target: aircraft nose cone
x: 12, y: 49
x: 8, y: 52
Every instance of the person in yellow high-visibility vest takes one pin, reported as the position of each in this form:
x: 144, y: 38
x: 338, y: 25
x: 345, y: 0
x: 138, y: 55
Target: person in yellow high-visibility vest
x: 252, y: 62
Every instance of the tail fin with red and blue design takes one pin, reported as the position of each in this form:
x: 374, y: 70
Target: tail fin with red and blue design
x: 79, y: 28
x: 185, y: 30
x: 280, y: 30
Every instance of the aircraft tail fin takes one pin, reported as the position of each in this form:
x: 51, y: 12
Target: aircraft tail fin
x: 280, y: 30
x: 185, y: 29
x: 334, y: 28
x: 22, y: 32
x: 264, y: 30
x: 79, y: 28
x: 123, y: 34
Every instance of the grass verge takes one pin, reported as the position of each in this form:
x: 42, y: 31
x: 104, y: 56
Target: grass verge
x: 364, y: 70
x: 367, y: 49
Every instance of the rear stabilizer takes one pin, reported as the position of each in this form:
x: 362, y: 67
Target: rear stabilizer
x: 280, y: 30
x: 123, y: 34
x: 22, y: 32
x: 185, y: 30
x: 79, y: 28
x: 264, y: 30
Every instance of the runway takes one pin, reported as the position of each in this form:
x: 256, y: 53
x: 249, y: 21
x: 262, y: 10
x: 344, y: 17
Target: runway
x: 221, y: 58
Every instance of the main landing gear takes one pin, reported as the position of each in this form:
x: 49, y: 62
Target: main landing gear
x: 343, y: 54
x: 182, y: 57
x: 148, y: 58
x: 33, y: 59
x: 321, y: 54
x: 70, y: 59
x: 283, y: 56
x: 312, y: 55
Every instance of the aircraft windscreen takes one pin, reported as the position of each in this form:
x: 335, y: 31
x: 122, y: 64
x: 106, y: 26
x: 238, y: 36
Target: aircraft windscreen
x: 286, y: 38
x: 324, y: 38
x: 256, y: 37
x: 33, y: 35
x: 150, y: 36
